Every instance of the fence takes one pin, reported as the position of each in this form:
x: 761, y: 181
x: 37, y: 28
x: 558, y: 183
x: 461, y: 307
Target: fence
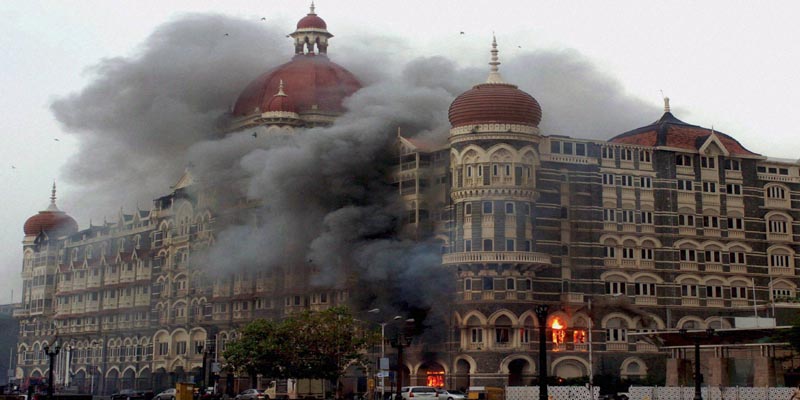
x: 654, y: 393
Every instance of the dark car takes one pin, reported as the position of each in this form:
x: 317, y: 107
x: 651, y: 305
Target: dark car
x: 130, y: 394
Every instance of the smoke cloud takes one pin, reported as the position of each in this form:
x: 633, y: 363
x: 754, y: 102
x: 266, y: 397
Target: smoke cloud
x: 325, y: 202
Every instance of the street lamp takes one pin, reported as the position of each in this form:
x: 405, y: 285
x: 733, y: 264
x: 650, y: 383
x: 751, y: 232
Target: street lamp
x: 696, y: 337
x: 383, y: 347
x: 205, y: 351
x: 401, y: 341
x: 541, y: 315
x: 52, y: 356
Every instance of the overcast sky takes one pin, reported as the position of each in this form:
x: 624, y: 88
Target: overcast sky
x: 730, y: 64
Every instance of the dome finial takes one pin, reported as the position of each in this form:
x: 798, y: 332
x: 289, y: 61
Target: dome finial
x: 312, y: 12
x: 52, y: 206
x: 666, y: 104
x: 280, y: 89
x: 494, y: 74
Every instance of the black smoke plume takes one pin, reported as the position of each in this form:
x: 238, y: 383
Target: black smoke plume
x: 326, y: 204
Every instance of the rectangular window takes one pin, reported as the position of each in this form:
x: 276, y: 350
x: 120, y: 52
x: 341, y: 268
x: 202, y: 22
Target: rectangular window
x: 689, y: 290
x: 711, y: 221
x: 511, y: 284
x: 685, y: 185
x: 608, y: 153
x: 708, y: 162
x: 487, y: 207
x: 468, y: 245
x: 509, y: 244
x: 644, y: 156
x: 180, y: 348
x: 609, y: 215
x: 647, y: 254
x: 683, y: 160
x: 733, y: 165
x: 509, y: 208
x: 555, y: 147
x: 627, y: 253
x: 736, y: 223
x: 646, y: 182
x: 608, y: 179
x: 580, y: 149
x: 713, y: 256
x: 647, y: 217
x: 686, y: 220
x: 488, y: 283
x: 528, y: 246
x: 467, y: 284
x: 689, y: 255
x: 567, y: 147
x: 610, y: 252
x: 734, y: 189
x: 645, y: 289
x: 736, y: 257
x: 615, y: 288
x: 738, y: 292
x: 626, y: 154
x: 487, y: 245
x: 709, y: 187
x: 626, y: 180
x: 467, y: 209
x: 502, y: 335
x: 627, y: 217
x: 476, y: 335
x: 714, y: 292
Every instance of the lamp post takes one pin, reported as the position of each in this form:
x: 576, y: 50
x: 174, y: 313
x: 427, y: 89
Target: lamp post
x: 696, y: 338
x: 383, y: 348
x: 51, y: 354
x: 541, y: 315
x: 205, y: 351
x: 401, y: 341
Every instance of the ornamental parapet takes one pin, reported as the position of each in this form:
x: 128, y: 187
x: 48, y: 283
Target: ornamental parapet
x: 491, y: 193
x: 496, y: 257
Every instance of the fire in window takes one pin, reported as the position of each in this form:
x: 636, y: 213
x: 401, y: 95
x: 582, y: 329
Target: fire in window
x: 435, y: 379
x: 559, y: 333
x: 579, y: 336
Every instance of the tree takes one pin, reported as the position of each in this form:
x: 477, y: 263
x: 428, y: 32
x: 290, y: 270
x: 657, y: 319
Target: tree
x: 314, y: 345
x: 257, y: 350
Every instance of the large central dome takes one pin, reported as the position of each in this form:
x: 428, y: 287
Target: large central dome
x: 312, y: 84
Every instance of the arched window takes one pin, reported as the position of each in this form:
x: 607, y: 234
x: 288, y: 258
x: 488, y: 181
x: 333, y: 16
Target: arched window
x: 502, y: 331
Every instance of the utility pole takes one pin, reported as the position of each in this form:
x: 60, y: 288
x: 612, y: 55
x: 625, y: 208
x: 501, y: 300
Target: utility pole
x: 541, y: 315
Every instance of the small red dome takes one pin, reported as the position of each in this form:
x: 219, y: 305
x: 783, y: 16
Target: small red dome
x: 313, y: 81
x: 50, y: 221
x: 280, y: 102
x: 494, y: 103
x: 312, y: 21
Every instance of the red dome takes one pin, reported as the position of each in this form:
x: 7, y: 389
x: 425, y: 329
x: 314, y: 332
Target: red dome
x: 280, y: 103
x: 312, y: 21
x: 494, y: 103
x: 50, y: 221
x: 311, y: 80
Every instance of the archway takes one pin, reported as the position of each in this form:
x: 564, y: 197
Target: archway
x: 517, y: 373
x: 145, y: 379
x: 568, y: 368
x: 160, y: 380
x: 112, y: 382
x: 79, y: 380
x: 461, y: 379
x: 431, y: 374
x: 196, y: 376
x: 128, y: 379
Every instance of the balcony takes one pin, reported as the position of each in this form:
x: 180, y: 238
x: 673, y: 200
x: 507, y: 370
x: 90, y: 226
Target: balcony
x: 688, y: 266
x: 710, y: 199
x: 609, y: 193
x: 496, y: 257
x: 733, y: 174
x: 610, y: 262
x: 647, y: 195
x: 715, y: 232
x: 690, y: 301
x: 735, y: 202
x: 735, y: 234
x: 739, y: 268
x: 646, y: 300
x: 617, y: 346
x: 740, y: 303
x: 684, y: 170
x: 610, y: 226
x: 647, y: 264
x: 626, y: 227
x: 783, y: 237
x: 715, y: 303
x: 714, y: 268
x: 643, y: 347
x: 575, y: 298
x: 628, y: 193
x: 686, y: 199
x: 628, y: 263
x: 781, y: 270
x: 777, y: 203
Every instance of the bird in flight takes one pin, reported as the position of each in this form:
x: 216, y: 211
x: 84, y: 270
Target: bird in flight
x: 255, y: 134
x: 227, y: 34
x: 57, y: 139
x: 462, y: 32
x: 263, y: 18
x: 13, y: 167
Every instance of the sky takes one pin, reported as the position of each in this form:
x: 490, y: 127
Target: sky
x: 730, y: 64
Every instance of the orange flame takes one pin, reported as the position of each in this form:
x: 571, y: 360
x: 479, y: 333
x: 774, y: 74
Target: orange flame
x: 557, y: 324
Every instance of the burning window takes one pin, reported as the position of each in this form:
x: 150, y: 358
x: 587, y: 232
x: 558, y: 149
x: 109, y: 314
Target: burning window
x: 435, y: 379
x: 579, y: 336
x: 559, y: 333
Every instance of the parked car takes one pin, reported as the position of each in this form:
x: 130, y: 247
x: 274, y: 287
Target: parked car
x: 130, y: 394
x: 168, y: 394
x: 445, y: 394
x: 421, y: 392
x: 251, y: 394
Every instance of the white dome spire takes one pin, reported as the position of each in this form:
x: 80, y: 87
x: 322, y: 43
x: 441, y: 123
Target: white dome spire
x: 494, y: 73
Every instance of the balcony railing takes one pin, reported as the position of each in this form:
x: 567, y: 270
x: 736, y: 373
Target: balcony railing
x: 496, y: 257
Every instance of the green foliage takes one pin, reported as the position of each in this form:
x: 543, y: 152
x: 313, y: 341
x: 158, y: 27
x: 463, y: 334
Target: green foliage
x: 315, y: 345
